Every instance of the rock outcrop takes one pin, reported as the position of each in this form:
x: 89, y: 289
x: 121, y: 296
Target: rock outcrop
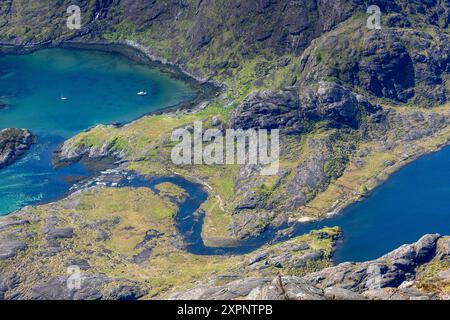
x: 400, y: 274
x: 10, y: 247
x: 92, y: 287
x: 73, y: 151
x: 13, y: 144
x: 295, y: 111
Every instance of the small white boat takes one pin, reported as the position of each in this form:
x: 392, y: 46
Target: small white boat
x: 63, y: 97
x: 142, y: 93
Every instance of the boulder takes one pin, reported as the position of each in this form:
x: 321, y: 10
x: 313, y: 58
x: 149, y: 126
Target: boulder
x: 13, y: 144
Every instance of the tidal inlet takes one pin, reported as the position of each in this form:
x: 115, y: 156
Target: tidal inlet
x: 224, y: 150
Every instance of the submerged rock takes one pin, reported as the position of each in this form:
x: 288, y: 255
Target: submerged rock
x: 65, y: 233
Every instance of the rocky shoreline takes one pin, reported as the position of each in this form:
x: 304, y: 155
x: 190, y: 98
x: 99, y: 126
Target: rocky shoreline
x: 14, y: 143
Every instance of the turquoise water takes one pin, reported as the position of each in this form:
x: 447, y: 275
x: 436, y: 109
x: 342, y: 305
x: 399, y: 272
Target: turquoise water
x: 100, y: 87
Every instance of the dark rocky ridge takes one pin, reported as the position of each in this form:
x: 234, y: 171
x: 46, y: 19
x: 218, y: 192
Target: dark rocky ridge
x: 93, y: 287
x: 13, y: 144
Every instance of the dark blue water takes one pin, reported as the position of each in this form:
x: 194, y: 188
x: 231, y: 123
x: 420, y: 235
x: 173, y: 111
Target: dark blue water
x: 101, y: 88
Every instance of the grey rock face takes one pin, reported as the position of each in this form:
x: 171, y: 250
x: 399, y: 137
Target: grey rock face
x: 379, y: 279
x: 13, y: 144
x: 93, y: 287
x: 444, y: 249
x: 295, y: 288
x: 402, y: 65
x: 293, y: 110
x: 336, y: 104
x: 8, y: 281
x: 143, y: 256
x: 239, y: 288
x: 333, y: 293
x: 302, y: 261
x: 388, y: 68
x: 65, y: 233
x: 7, y: 222
x: 9, y: 247
x: 397, y: 294
x: 326, y: 160
x: 388, y: 271
x: 268, y: 110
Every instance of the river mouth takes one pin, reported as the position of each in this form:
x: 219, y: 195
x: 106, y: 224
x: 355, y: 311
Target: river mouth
x: 57, y: 93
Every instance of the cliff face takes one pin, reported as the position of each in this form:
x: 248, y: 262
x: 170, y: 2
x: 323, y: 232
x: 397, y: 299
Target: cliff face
x: 254, y: 24
x: 13, y: 144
